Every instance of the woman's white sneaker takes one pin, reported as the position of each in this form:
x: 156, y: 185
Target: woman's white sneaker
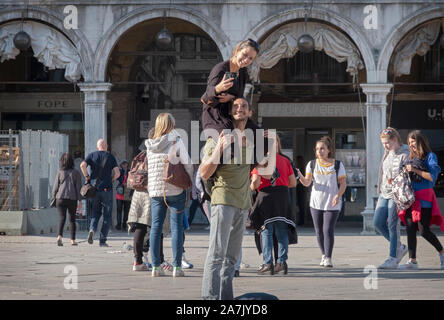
x: 157, y: 272
x: 390, y: 263
x: 140, y: 267
x: 409, y: 266
x: 322, y: 261
x: 401, y: 252
x: 178, y: 272
x: 328, y: 263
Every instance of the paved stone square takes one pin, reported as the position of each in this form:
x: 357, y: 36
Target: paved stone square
x: 33, y: 267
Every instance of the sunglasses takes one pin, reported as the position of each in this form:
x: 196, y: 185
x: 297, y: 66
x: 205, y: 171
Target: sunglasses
x: 387, y: 132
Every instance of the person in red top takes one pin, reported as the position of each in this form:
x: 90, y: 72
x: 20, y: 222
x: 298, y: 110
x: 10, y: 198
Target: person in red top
x: 123, y: 201
x: 271, y: 212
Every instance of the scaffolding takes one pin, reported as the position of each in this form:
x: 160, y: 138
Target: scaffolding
x: 29, y: 161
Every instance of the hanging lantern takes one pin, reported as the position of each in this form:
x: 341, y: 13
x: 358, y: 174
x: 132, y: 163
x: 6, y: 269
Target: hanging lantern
x: 164, y: 38
x: 22, y: 40
x: 306, y: 43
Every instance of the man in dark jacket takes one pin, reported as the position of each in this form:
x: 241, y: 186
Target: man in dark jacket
x: 101, y: 163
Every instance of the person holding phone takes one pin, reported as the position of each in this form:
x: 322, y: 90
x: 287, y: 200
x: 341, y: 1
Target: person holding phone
x: 226, y: 82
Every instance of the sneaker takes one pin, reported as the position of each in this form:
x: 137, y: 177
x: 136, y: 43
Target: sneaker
x: 166, y: 266
x: 328, y: 263
x: 105, y: 245
x: 281, y: 267
x: 322, y: 261
x: 409, y: 266
x: 390, y: 263
x: 147, y: 262
x: 244, y: 265
x: 91, y: 237
x: 186, y: 264
x: 178, y: 272
x: 59, y: 242
x: 157, y: 272
x: 140, y: 267
x: 266, y: 269
x: 401, y: 252
x: 441, y: 257
x: 236, y: 274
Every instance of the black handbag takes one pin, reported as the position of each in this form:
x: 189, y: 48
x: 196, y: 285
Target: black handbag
x: 88, y: 190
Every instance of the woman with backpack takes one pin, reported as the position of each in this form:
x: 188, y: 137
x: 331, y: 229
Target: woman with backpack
x: 66, y: 191
x: 423, y: 169
x: 329, y: 183
x: 386, y: 216
x: 166, y: 144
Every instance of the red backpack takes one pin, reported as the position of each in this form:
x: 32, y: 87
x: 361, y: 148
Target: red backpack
x: 138, y: 174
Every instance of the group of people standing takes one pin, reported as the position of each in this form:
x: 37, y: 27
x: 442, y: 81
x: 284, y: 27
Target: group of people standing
x: 229, y: 187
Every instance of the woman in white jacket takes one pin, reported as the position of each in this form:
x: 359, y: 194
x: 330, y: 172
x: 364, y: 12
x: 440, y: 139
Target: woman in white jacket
x: 166, y: 143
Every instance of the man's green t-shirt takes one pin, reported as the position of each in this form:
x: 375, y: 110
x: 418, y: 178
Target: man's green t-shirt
x: 231, y: 181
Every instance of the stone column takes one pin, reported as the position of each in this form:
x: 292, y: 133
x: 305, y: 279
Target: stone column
x: 376, y: 121
x: 95, y: 113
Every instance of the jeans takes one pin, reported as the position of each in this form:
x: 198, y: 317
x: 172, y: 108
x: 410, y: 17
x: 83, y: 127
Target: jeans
x: 226, y: 233
x: 386, y: 221
x: 195, y: 204
x: 158, y: 213
x: 102, y: 203
x: 280, y: 229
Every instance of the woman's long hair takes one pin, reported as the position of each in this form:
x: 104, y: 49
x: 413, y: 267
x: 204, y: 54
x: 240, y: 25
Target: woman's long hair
x: 66, y: 161
x: 329, y: 144
x: 246, y: 43
x: 422, y: 145
x: 165, y: 123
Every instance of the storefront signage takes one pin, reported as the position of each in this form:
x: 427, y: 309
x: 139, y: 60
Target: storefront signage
x: 418, y: 114
x: 435, y: 114
x: 43, y: 102
x: 311, y: 110
x: 52, y: 104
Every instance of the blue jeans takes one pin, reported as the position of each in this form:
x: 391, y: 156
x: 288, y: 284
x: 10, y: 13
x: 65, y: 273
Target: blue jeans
x: 102, y: 203
x: 280, y: 229
x: 386, y: 221
x: 158, y: 213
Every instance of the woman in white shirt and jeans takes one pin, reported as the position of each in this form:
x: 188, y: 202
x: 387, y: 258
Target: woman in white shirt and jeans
x: 326, y: 194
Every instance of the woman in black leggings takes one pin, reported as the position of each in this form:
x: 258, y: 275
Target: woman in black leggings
x: 329, y: 183
x: 423, y: 169
x: 66, y: 191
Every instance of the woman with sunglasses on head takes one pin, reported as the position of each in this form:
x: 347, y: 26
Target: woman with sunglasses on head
x: 425, y: 210
x: 386, y: 216
x: 226, y: 82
